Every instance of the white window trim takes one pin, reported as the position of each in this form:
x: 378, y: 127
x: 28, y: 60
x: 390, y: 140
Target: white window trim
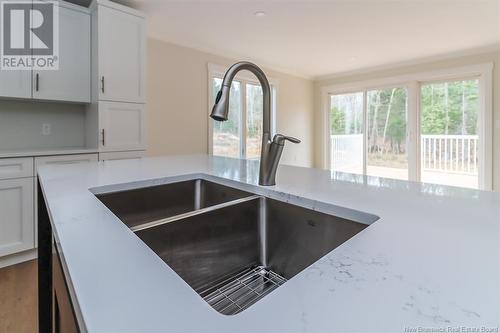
x: 218, y: 71
x: 413, y: 82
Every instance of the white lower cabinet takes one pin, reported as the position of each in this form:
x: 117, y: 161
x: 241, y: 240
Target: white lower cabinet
x: 18, y: 203
x: 19, y: 185
x: 16, y: 215
x: 122, y: 126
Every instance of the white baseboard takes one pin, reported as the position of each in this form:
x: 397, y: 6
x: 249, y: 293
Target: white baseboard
x: 18, y: 258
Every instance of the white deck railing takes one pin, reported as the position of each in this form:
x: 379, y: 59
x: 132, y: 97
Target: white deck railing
x: 443, y: 153
x: 346, y: 151
x: 450, y: 153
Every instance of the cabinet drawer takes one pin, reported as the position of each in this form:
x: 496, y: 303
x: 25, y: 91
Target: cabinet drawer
x: 122, y: 155
x: 16, y: 168
x: 64, y: 159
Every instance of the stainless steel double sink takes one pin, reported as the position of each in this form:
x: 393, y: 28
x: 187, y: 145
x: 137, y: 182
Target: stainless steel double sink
x: 232, y: 247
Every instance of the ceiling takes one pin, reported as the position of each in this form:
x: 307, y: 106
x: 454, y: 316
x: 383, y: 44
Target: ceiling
x: 318, y: 38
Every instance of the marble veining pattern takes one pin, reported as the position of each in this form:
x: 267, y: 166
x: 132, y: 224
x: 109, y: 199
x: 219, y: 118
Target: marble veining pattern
x: 432, y: 260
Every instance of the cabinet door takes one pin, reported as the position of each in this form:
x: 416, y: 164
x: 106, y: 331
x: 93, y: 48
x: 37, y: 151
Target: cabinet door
x: 121, y: 56
x: 16, y: 215
x: 15, y: 84
x: 72, y: 81
x: 121, y: 126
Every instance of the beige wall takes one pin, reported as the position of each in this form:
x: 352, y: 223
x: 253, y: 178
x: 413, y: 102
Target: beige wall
x: 177, y: 100
x: 455, y: 62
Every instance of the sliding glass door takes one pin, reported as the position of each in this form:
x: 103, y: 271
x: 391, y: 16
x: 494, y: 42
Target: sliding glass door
x: 347, y: 132
x: 449, y: 129
x: 376, y: 147
x: 386, y: 129
x: 419, y: 131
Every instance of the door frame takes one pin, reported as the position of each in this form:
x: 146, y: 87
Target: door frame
x: 483, y: 72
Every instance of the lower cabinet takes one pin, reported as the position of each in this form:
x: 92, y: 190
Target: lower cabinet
x: 16, y: 215
x: 18, y: 203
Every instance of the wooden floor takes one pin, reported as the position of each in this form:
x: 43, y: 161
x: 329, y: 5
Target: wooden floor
x: 18, y: 298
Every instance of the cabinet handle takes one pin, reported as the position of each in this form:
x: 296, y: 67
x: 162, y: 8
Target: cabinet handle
x: 102, y: 84
x: 103, y: 141
x: 37, y: 81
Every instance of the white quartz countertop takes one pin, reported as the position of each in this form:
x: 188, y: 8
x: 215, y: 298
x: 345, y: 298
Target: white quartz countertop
x: 432, y: 260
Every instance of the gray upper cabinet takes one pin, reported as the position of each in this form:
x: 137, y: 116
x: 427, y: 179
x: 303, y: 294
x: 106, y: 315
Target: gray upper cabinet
x: 15, y: 84
x: 122, y: 126
x: 72, y: 81
x: 121, y: 53
x: 118, y: 76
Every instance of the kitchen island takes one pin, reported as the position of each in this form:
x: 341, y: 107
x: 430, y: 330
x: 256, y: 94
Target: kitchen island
x: 431, y: 260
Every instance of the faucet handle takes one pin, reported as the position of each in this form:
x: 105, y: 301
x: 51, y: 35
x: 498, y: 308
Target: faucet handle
x: 280, y: 139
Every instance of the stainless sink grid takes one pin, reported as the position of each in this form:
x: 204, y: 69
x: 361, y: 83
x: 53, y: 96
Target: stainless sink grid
x: 237, y: 292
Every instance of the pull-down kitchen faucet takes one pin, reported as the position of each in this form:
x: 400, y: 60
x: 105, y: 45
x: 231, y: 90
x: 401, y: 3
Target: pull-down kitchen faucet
x: 271, y: 150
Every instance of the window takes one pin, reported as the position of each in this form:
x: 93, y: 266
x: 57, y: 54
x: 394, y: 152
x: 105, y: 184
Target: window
x: 226, y: 134
x: 430, y: 127
x: 240, y: 136
x: 254, y: 120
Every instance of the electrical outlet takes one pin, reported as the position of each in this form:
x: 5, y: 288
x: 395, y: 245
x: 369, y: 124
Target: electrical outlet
x: 46, y: 129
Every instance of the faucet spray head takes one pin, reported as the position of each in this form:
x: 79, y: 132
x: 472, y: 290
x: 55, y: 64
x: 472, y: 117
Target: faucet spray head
x: 220, y: 110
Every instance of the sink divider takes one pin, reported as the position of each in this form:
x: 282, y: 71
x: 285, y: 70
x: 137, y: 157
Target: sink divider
x: 197, y: 194
x: 195, y: 212
x: 263, y: 231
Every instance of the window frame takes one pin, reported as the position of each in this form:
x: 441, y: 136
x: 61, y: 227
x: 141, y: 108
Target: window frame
x: 244, y: 78
x: 413, y: 83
